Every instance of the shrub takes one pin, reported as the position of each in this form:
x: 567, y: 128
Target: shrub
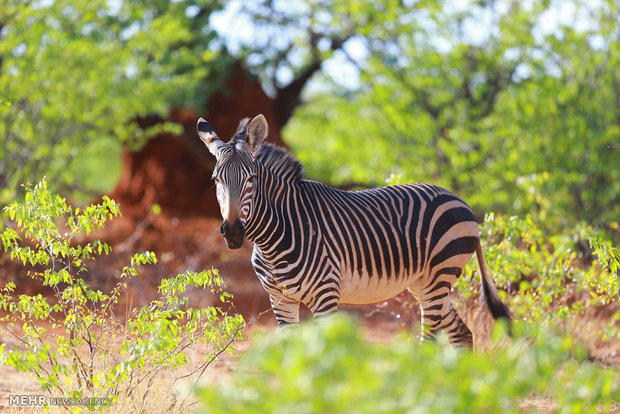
x: 327, y: 367
x: 552, y: 278
x: 71, y: 340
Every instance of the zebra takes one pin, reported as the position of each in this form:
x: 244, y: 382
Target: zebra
x: 321, y: 246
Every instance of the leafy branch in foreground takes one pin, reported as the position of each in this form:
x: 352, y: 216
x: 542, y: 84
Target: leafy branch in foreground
x: 71, y: 339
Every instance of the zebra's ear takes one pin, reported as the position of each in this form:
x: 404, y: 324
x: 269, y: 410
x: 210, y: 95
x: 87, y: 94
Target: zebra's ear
x: 208, y: 136
x: 257, y: 133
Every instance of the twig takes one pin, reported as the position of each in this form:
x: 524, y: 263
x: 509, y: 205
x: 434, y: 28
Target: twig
x: 204, y: 366
x: 217, y: 354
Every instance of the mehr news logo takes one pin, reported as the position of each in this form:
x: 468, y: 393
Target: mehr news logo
x: 24, y: 400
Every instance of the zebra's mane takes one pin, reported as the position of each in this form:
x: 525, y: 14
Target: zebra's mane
x: 281, y: 162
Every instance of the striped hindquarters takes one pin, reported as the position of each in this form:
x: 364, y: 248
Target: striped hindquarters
x: 386, y: 237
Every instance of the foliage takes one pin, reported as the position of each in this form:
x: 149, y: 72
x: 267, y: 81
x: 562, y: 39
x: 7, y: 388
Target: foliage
x: 326, y: 366
x: 71, y: 339
x: 549, y: 279
x: 76, y: 76
x: 531, y: 93
x: 292, y: 37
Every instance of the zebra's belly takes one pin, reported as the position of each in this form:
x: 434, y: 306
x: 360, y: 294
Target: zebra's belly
x: 363, y: 290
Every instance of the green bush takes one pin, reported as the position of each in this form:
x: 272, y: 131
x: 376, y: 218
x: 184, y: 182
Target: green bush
x: 71, y: 339
x: 553, y: 278
x: 327, y: 367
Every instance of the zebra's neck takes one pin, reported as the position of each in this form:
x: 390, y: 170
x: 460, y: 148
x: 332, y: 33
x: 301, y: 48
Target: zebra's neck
x: 268, y: 205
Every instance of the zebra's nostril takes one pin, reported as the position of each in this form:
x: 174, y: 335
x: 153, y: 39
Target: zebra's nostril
x: 223, y: 228
x: 237, y: 228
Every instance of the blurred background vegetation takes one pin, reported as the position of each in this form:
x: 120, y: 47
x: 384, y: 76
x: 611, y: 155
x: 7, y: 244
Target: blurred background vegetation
x: 513, y: 105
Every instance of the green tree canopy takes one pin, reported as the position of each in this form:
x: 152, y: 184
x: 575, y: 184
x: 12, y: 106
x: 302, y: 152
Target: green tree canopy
x: 510, y: 104
x: 499, y: 101
x: 76, y: 75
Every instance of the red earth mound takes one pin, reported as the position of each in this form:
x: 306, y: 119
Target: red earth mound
x: 174, y: 171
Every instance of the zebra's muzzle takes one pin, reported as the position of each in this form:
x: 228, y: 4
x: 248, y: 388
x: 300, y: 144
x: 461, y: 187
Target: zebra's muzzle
x: 234, y: 234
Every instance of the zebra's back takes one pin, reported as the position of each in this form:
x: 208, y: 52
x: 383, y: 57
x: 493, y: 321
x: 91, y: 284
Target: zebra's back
x: 383, y: 240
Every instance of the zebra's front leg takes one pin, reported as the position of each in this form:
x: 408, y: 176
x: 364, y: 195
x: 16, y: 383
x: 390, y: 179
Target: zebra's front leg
x: 325, y: 299
x: 285, y: 309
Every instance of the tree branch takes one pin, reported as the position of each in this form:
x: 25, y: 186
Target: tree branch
x: 289, y: 97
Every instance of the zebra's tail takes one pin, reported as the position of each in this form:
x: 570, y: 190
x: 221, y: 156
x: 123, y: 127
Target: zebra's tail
x: 495, y: 304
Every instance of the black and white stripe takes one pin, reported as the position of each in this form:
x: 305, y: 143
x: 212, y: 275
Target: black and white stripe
x: 322, y: 246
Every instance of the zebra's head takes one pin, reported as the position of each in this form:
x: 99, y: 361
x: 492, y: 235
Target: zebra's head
x: 234, y: 173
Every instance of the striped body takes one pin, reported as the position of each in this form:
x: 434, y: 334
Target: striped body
x: 322, y: 246
x: 378, y: 241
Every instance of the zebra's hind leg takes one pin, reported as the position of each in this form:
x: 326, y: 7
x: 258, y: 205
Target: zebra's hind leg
x: 437, y: 314
x: 440, y: 315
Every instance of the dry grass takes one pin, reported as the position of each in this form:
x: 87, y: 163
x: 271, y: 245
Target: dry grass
x: 169, y: 392
x: 166, y: 394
